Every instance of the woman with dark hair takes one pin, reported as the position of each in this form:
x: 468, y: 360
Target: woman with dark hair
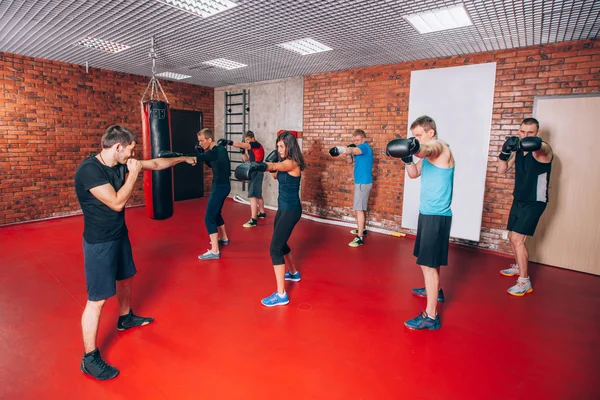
x: 289, y: 211
x: 216, y: 158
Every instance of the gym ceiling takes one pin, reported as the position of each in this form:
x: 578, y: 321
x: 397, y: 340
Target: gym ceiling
x: 250, y: 32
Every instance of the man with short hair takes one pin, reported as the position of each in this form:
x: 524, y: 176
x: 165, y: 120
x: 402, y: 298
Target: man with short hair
x: 436, y: 169
x: 361, y: 154
x: 254, y: 153
x: 533, y: 163
x: 103, y: 183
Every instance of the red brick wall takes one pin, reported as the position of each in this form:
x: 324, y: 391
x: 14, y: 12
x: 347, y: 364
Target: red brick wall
x: 376, y: 99
x: 52, y: 116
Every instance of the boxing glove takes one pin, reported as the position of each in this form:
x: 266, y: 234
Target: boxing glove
x: 224, y: 142
x: 168, y: 154
x: 246, y: 171
x: 199, y: 149
x: 272, y: 157
x: 511, y: 144
x: 531, y: 143
x: 403, y: 148
x: 336, y: 151
x: 352, y: 145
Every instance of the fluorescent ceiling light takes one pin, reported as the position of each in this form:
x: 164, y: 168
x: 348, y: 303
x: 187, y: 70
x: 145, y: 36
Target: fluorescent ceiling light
x: 103, y: 45
x: 173, y: 75
x: 440, y: 19
x: 203, y: 8
x: 224, y: 63
x: 305, y: 46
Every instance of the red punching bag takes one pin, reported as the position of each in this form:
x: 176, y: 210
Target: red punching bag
x: 158, y: 185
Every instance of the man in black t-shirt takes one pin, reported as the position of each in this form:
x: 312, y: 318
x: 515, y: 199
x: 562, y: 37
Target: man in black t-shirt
x: 103, y: 184
x: 256, y: 153
x: 533, y: 164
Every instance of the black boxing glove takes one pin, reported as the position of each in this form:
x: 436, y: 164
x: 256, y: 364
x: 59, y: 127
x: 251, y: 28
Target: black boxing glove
x: 531, y: 143
x: 510, y: 145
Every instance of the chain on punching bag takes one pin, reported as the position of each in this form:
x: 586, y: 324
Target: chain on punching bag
x: 156, y: 131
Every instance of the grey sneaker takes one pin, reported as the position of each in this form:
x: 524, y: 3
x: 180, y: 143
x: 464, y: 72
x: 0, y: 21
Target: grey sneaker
x: 209, y: 255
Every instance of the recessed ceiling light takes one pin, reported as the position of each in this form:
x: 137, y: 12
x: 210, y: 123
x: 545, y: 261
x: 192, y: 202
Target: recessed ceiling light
x: 305, y: 46
x: 203, y: 8
x: 103, y: 45
x: 224, y: 63
x: 440, y: 19
x: 173, y: 75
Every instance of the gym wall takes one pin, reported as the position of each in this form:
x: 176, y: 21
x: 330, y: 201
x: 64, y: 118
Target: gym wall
x: 274, y: 105
x: 376, y: 99
x: 52, y: 116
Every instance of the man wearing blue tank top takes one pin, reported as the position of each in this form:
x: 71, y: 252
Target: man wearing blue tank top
x: 436, y: 170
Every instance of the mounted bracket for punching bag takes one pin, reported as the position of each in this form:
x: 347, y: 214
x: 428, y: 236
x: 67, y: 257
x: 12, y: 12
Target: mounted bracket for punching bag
x: 156, y: 133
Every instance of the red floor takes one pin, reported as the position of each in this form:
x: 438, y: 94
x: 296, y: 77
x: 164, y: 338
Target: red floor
x: 341, y: 337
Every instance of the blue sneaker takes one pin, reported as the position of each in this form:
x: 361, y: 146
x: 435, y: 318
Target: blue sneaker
x: 275, y: 300
x: 422, y: 293
x: 423, y: 321
x: 292, y: 277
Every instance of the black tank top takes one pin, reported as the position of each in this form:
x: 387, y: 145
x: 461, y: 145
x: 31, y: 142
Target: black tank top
x: 289, y: 191
x: 531, y: 178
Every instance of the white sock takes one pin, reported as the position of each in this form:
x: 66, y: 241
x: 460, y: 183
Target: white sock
x: 281, y: 296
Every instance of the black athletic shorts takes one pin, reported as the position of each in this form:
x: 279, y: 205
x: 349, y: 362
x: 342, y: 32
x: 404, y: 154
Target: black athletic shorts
x: 433, y: 236
x: 105, y: 264
x: 524, y: 216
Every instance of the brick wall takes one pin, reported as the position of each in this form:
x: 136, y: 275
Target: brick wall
x: 52, y: 116
x: 376, y: 99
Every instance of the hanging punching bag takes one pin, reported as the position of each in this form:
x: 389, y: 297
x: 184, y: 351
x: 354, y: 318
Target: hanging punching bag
x: 158, y: 185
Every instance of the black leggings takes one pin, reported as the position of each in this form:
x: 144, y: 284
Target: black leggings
x: 213, y: 217
x: 285, y: 220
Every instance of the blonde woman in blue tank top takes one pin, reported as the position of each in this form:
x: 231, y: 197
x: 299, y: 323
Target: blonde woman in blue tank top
x: 289, y: 211
x: 436, y: 170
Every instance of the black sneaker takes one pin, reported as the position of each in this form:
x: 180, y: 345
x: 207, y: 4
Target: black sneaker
x: 261, y: 215
x: 131, y: 321
x: 251, y: 224
x: 358, y: 241
x: 93, y: 365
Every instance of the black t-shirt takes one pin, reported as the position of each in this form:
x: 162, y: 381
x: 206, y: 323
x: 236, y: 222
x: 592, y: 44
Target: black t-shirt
x: 219, y: 162
x: 101, y: 223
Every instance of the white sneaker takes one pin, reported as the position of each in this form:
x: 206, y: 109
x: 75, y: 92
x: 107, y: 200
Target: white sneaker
x: 522, y: 287
x: 512, y: 271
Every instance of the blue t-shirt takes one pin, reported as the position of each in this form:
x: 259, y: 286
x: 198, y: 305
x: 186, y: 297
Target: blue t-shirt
x: 437, y: 185
x: 363, y: 165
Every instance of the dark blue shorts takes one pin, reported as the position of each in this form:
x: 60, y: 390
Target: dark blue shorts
x: 105, y: 264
